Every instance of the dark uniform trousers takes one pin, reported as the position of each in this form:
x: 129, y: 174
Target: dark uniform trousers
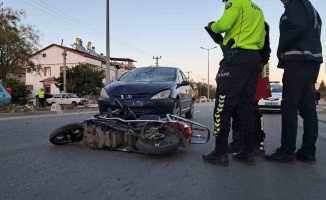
x: 236, y: 87
x: 299, y: 95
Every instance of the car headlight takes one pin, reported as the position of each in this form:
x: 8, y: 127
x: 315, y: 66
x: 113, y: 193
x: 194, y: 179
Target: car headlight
x: 104, y: 94
x: 162, y: 95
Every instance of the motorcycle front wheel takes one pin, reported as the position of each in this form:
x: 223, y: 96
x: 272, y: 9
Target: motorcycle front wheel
x: 67, y: 134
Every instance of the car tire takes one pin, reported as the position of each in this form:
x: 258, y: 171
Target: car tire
x: 67, y: 134
x: 74, y: 104
x: 177, y: 109
x: 190, y: 113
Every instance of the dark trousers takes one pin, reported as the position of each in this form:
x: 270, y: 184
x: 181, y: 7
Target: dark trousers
x: 259, y: 133
x: 236, y: 87
x: 41, y: 102
x: 299, y: 95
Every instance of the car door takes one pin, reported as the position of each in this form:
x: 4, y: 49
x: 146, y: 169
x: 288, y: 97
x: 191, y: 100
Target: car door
x: 66, y: 99
x: 59, y: 99
x: 182, y: 91
x: 188, y: 88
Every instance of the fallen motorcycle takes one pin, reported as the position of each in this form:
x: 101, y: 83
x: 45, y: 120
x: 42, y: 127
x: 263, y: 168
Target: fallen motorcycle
x: 121, y: 130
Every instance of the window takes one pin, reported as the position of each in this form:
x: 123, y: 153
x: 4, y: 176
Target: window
x: 150, y: 74
x: 47, y: 71
x: 44, y: 55
x: 179, y: 78
x: 183, y: 76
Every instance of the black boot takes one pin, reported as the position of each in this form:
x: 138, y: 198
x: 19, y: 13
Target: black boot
x: 281, y: 156
x: 248, y: 158
x: 217, y: 158
x: 305, y: 157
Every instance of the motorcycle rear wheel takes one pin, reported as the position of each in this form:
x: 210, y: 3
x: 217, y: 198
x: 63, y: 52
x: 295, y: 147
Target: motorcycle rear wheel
x: 67, y: 134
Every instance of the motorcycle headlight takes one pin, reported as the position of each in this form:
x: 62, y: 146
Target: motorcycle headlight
x: 104, y: 94
x: 162, y: 95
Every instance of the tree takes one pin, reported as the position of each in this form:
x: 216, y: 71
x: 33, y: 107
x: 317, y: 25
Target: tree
x: 20, y: 91
x: 84, y: 79
x: 17, y: 42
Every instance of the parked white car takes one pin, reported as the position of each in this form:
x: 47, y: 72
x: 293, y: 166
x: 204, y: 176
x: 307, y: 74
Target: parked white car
x: 203, y: 99
x: 273, y: 103
x: 66, y: 99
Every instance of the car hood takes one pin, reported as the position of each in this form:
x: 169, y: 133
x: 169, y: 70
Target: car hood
x: 137, y: 88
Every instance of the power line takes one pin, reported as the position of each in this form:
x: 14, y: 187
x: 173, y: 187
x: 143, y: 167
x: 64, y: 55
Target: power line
x: 50, y: 10
x: 157, y: 58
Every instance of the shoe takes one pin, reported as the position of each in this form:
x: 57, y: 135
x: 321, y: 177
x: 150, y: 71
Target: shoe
x: 233, y: 148
x: 217, y: 158
x: 304, y: 157
x: 281, y: 156
x: 244, y: 157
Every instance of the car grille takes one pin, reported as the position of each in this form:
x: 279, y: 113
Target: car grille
x: 131, y: 97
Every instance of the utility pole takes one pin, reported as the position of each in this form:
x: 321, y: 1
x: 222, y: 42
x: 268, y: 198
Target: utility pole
x: 157, y: 58
x: 188, y: 75
x: 64, y: 55
x: 2, y: 4
x: 108, y: 64
x: 203, y: 84
x: 208, y: 55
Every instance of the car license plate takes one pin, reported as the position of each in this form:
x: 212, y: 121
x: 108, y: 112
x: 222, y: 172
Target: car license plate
x: 271, y: 104
x: 135, y: 103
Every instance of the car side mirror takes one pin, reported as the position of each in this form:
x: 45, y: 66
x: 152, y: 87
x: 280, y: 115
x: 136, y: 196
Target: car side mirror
x: 184, y: 83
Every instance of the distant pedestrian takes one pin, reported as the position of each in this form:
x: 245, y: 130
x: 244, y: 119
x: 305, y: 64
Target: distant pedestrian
x: 41, y: 98
x: 300, y: 54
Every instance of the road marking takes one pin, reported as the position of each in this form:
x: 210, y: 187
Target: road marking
x: 46, y: 116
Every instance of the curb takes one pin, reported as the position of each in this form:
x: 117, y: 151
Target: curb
x: 45, y: 115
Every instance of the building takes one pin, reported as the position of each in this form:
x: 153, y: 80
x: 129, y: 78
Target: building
x: 49, y: 61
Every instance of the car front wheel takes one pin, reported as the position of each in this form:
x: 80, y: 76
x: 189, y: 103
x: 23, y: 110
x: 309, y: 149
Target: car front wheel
x: 190, y: 113
x: 177, y: 109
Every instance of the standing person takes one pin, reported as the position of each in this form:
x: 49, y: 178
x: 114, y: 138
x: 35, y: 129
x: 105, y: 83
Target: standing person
x: 41, y: 98
x: 300, y: 54
x: 243, y: 24
x: 263, y: 91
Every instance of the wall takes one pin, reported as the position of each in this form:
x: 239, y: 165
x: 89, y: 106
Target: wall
x: 54, y: 60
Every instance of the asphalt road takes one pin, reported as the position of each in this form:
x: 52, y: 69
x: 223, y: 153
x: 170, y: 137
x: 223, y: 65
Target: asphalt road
x: 31, y: 168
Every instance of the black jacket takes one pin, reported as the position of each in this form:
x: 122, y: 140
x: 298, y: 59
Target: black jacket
x: 300, y: 33
x: 266, y: 51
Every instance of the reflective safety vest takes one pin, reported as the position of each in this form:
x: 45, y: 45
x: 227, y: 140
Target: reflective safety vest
x: 242, y: 21
x: 41, y: 94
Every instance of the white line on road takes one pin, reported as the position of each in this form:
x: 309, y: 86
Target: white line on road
x: 46, y: 116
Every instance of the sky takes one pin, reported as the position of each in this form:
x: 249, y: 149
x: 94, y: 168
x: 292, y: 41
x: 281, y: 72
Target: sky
x: 141, y: 29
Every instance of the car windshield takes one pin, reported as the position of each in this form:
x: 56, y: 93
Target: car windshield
x: 151, y: 74
x: 73, y: 96
x: 276, y: 88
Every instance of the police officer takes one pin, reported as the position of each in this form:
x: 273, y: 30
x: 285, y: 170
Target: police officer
x: 41, y: 98
x: 263, y: 91
x: 243, y: 23
x: 300, y: 54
